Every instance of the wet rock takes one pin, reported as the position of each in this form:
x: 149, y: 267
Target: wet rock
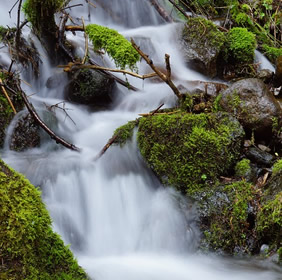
x: 265, y: 75
x: 202, y: 44
x: 90, y: 87
x: 253, y: 105
x: 55, y: 80
x: 26, y: 134
x: 260, y: 157
x: 227, y: 216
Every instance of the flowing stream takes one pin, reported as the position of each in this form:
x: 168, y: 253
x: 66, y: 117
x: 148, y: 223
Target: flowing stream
x: 121, y: 223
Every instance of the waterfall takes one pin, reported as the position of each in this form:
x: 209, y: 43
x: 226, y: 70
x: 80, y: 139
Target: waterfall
x: 121, y: 223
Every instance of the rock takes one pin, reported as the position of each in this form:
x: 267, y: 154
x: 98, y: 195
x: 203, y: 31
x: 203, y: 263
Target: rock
x: 189, y: 151
x: 260, y: 157
x: 227, y: 216
x: 26, y: 134
x: 90, y: 87
x: 265, y: 75
x: 253, y: 105
x: 202, y: 43
x: 55, y: 80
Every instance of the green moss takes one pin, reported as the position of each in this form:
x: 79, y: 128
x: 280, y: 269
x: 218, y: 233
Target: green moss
x: 124, y: 133
x: 41, y: 13
x: 230, y: 227
x: 242, y: 168
x: 271, y: 52
x: 241, y: 45
x: 269, y: 221
x: 29, y: 248
x: 188, y: 151
x: 114, y: 44
x: 204, y: 31
x: 277, y: 167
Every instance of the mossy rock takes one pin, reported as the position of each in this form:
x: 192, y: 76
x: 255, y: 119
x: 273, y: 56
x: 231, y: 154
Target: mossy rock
x: 227, y: 218
x: 253, y: 105
x: 29, y: 247
x: 202, y: 45
x: 190, y: 151
x: 90, y: 87
x: 6, y: 111
x: 241, y: 45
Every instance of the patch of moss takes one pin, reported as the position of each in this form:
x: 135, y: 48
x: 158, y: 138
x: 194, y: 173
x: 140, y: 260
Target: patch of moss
x: 124, y: 133
x: 271, y: 52
x: 114, y: 44
x: 269, y: 221
x: 232, y: 224
x: 29, y: 249
x: 41, y: 13
x: 243, y: 168
x: 277, y: 167
x: 187, y: 150
x: 241, y: 45
x: 203, y: 30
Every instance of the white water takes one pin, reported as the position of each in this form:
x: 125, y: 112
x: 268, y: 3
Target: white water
x: 121, y: 223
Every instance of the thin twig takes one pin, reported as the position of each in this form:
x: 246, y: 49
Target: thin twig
x: 36, y: 117
x: 74, y: 66
x: 7, y: 96
x: 165, y: 78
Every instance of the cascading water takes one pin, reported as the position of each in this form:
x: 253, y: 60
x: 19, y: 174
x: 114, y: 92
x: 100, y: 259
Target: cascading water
x: 121, y: 223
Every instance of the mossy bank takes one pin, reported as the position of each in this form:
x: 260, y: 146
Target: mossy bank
x: 29, y: 249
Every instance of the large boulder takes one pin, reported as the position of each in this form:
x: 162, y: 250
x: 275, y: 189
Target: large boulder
x: 189, y: 151
x: 90, y: 87
x: 253, y: 105
x: 202, y: 44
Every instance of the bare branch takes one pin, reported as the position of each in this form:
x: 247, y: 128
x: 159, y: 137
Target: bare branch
x: 165, y: 78
x: 41, y: 123
x: 74, y: 66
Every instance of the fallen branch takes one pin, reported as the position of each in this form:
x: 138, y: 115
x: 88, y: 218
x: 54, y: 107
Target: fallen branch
x: 106, y: 147
x: 118, y: 80
x: 164, y: 113
x: 75, y: 66
x: 179, y: 9
x: 40, y: 122
x: 166, y: 78
x: 162, y: 12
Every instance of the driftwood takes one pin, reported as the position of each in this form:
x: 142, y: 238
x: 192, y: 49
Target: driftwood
x: 38, y: 120
x: 162, y: 12
x: 166, y: 78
